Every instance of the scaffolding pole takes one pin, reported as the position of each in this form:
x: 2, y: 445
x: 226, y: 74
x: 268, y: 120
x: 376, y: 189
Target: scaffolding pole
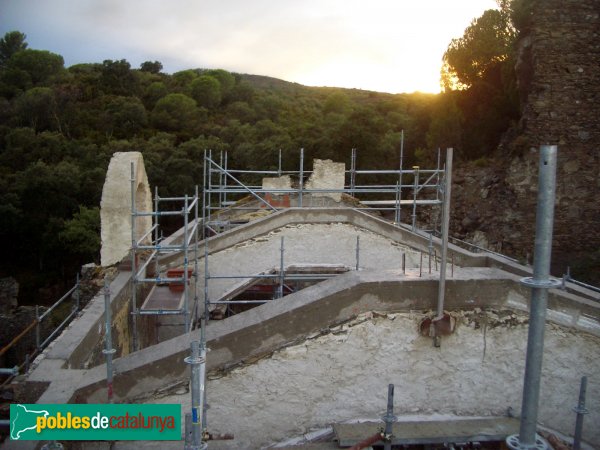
x: 301, y: 178
x: 399, y: 210
x: 108, y: 350
x: 134, y: 312
x: 539, y: 283
x: 445, y: 231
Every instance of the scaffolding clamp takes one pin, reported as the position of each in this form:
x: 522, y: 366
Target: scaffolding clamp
x: 549, y: 283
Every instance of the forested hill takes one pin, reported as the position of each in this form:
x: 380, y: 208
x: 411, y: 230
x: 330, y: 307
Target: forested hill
x: 59, y: 127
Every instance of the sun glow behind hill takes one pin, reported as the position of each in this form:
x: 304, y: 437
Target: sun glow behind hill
x: 381, y: 45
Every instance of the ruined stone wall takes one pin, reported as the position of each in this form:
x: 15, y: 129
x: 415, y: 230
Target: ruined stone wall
x: 558, y: 69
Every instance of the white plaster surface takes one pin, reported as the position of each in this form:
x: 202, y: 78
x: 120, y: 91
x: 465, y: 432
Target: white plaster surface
x: 327, y: 175
x: 284, y: 182
x: 115, y: 206
x: 305, y: 244
x: 344, y: 376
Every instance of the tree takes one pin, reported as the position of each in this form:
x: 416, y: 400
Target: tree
x: 124, y: 117
x: 226, y: 80
x: 484, y: 44
x: 38, y: 65
x: 151, y: 66
x: 11, y: 43
x: 174, y: 112
x: 81, y: 234
x: 37, y: 108
x: 445, y: 128
x: 117, y: 78
x: 206, y: 90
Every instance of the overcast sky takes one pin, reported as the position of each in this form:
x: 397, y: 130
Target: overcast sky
x: 382, y: 45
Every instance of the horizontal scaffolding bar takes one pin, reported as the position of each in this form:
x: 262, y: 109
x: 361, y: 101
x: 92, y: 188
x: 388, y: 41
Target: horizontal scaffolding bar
x: 59, y: 328
x: 294, y: 276
x: 160, y: 312
x: 58, y: 302
x: 159, y: 213
x: 239, y: 302
x: 159, y: 247
x: 173, y: 199
x: 312, y: 191
x: 161, y: 280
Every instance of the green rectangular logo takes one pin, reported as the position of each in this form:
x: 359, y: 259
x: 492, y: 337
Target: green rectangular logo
x: 91, y: 422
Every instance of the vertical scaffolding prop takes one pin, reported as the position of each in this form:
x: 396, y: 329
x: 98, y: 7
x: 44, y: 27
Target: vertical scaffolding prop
x: 389, y: 419
x: 415, y: 192
x: 398, y: 209
x: 445, y: 231
x: 352, y: 172
x: 108, y: 350
x: 301, y: 178
x: 540, y: 283
x: 357, y: 252
x: 281, y: 270
x: 186, y: 290
x: 581, y: 412
x: 196, y: 360
x: 134, y: 311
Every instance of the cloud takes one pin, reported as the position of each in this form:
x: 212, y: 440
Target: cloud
x: 378, y: 44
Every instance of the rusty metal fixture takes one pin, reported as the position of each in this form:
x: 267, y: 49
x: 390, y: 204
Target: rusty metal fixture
x: 434, y: 327
x: 368, y: 442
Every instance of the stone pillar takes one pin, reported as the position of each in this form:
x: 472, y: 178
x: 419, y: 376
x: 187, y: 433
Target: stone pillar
x: 115, y: 206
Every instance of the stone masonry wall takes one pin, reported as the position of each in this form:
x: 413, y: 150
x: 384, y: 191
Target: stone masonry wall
x: 558, y: 70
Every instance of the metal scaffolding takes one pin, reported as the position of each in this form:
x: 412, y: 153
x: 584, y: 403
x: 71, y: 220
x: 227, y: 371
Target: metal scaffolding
x: 223, y: 189
x: 170, y: 292
x: 226, y: 188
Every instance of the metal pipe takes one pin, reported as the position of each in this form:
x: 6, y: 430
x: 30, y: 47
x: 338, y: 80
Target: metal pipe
x: 221, y: 180
x: 281, y: 270
x: 58, y: 302
x: 14, y: 371
x: 186, y: 291
x: 204, y: 196
x: 445, y: 231
x: 196, y: 254
x: 245, y: 188
x: 389, y: 419
x: 195, y: 360
x: 133, y: 265
x: 357, y: 252
x: 353, y: 172
x: 37, y: 328
x: 77, y: 292
x: 58, y: 329
x: 581, y: 412
x: 397, y: 204
x: 18, y: 337
x: 301, y: 178
x: 399, y: 218
x: 279, y: 165
x: 404, y: 263
x: 540, y: 283
x: 225, y: 180
x: 415, y: 191
x: 108, y: 351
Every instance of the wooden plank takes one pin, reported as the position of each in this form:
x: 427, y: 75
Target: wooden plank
x: 432, y: 432
x: 162, y: 298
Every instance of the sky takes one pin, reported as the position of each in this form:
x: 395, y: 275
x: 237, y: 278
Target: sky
x: 381, y: 45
